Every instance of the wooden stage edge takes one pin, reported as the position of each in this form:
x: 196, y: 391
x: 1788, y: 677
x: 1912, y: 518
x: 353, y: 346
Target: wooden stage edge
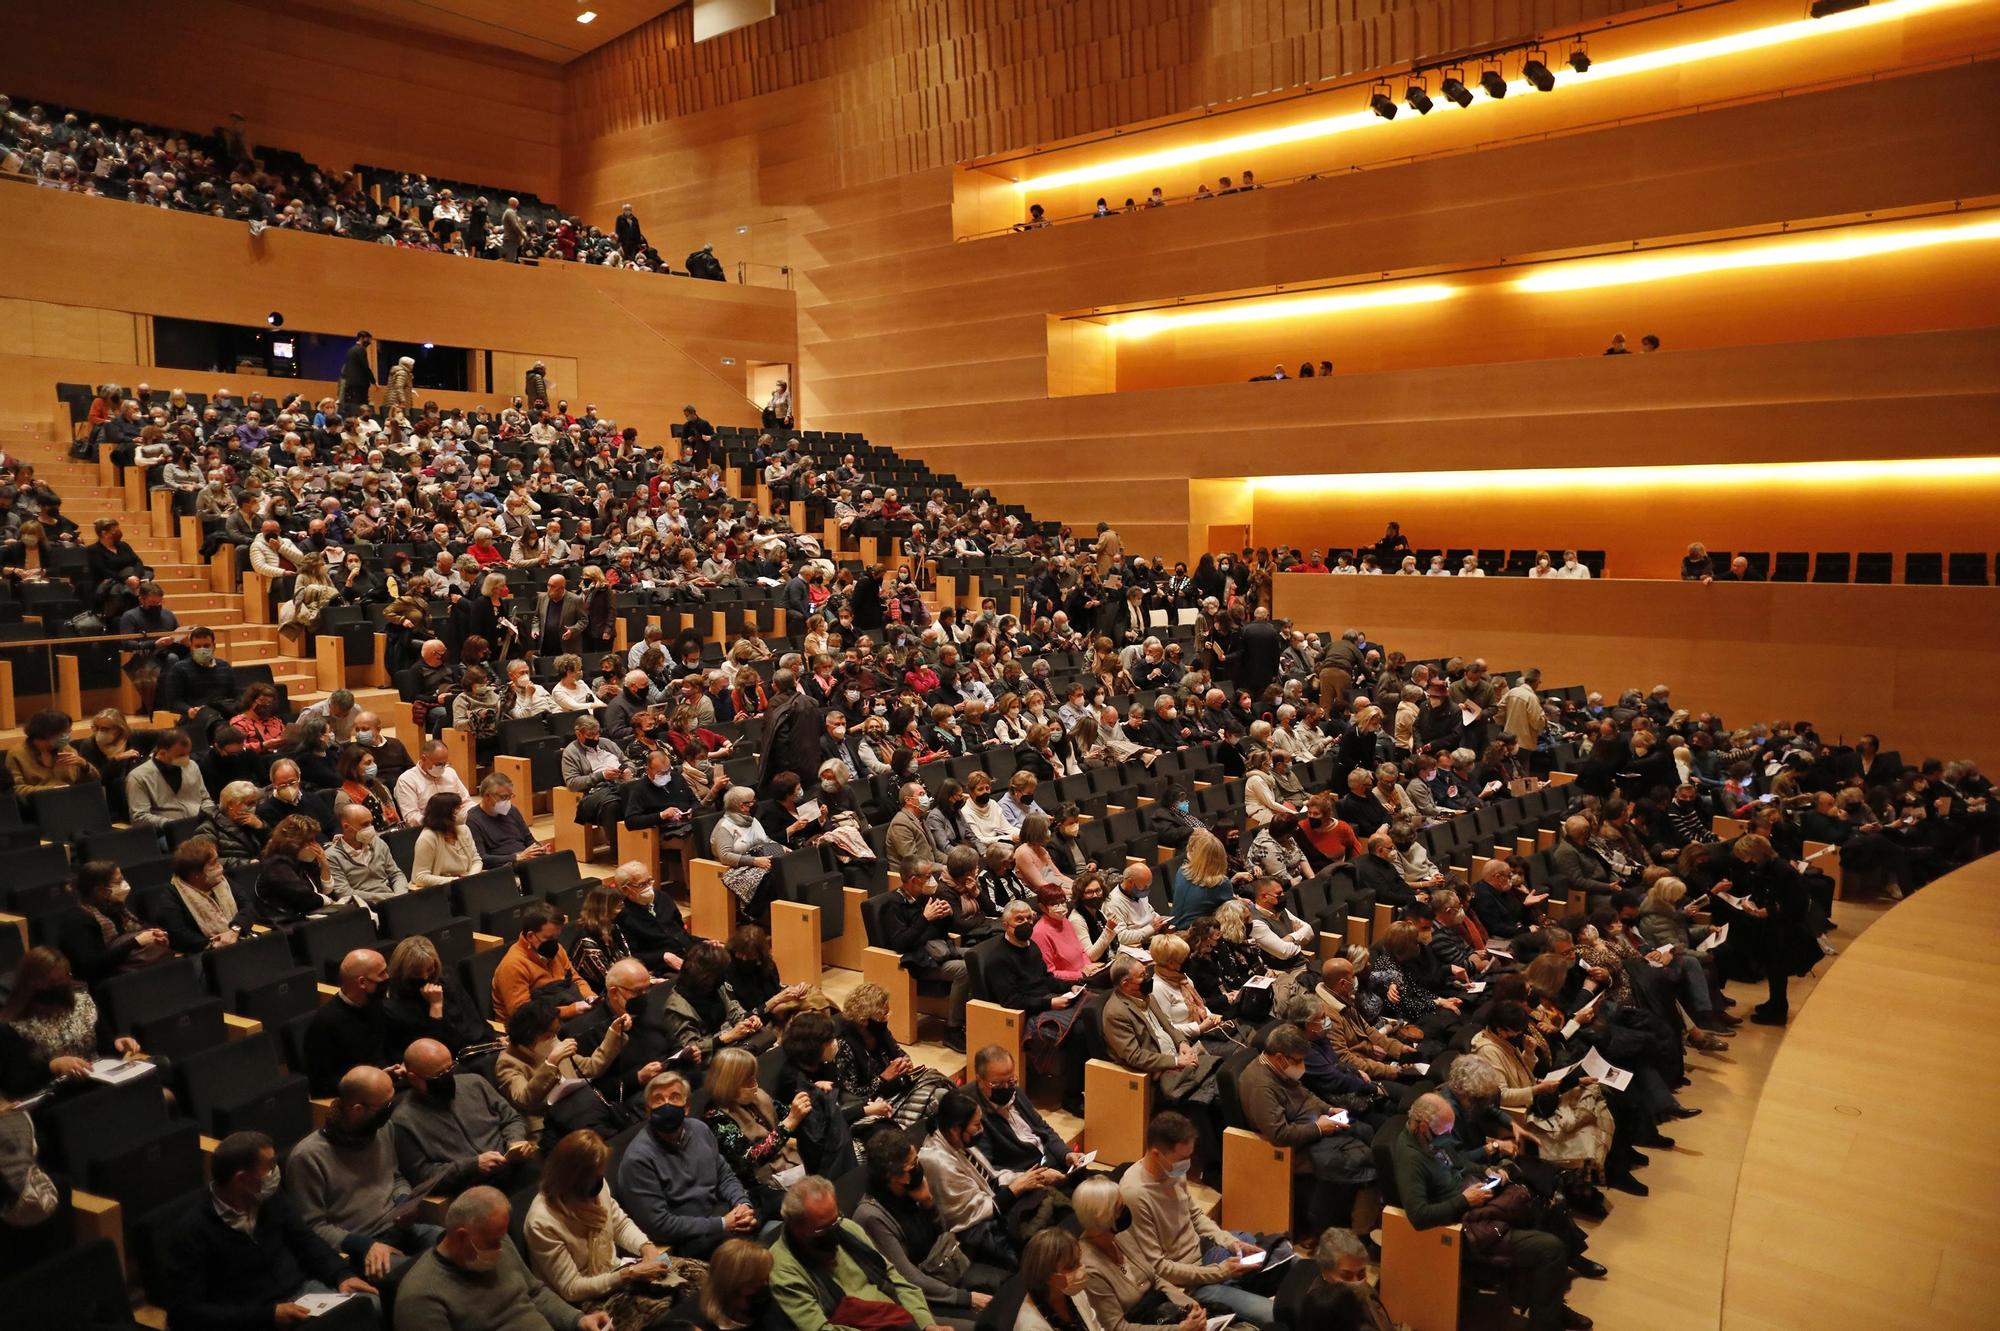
x: 1867, y: 1190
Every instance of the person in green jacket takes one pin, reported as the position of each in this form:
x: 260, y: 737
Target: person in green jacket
x: 823, y: 1259
x: 1435, y: 1187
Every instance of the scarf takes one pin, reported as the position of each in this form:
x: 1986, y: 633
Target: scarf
x: 758, y: 1119
x: 212, y: 910
x: 590, y: 1220
x: 170, y: 773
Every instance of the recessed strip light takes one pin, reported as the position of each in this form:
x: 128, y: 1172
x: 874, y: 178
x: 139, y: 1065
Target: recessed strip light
x: 587, y: 16
x: 1703, y: 476
x: 1260, y: 309
x: 1596, y: 70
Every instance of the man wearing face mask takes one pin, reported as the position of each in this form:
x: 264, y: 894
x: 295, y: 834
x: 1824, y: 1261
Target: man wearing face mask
x: 360, y: 867
x: 536, y: 963
x: 348, y: 1030
x: 199, y: 681
x: 661, y: 797
x: 475, y: 1279
x: 241, y: 1254
x: 392, y: 759
x: 917, y: 924
x: 824, y: 1258
x: 1013, y: 1134
x: 433, y: 775
x: 653, y: 926
x: 673, y: 1181
x: 1136, y: 1038
x: 1436, y: 1187
x: 498, y: 828
x: 1278, y: 1108
x: 909, y: 839
x: 1174, y: 1238
x: 455, y: 1129
x: 347, y: 1186
x: 1335, y: 1293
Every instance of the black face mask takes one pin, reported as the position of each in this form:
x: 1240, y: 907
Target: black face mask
x: 55, y: 995
x: 982, y: 800
x: 441, y: 1087
x: 1146, y: 988
x: 1002, y: 1096
x: 548, y: 948
x: 1123, y: 1223
x: 1022, y: 933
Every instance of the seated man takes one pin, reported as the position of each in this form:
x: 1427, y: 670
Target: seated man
x: 349, y: 1029
x: 1174, y: 1238
x: 674, y: 1182
x: 360, y: 867
x: 498, y: 828
x: 1013, y: 1134
x: 651, y: 920
x: 1575, y: 867
x: 661, y: 798
x: 452, y: 1130
x: 1380, y: 1056
x: 536, y: 966
x: 476, y: 1280
x: 649, y: 1042
x: 347, y: 1186
x: 1136, y: 1038
x: 241, y: 1256
x: 433, y: 775
x: 823, y: 1258
x: 597, y: 770
x: 917, y: 923
x: 1337, y: 1295
x: 1503, y: 903
x: 167, y: 787
x: 1434, y: 1188
x: 1278, y: 1108
x: 392, y: 758
x: 199, y: 681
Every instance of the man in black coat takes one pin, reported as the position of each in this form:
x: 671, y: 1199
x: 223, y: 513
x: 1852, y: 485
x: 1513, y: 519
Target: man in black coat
x: 630, y: 237
x: 357, y: 376
x: 792, y: 729
x: 1013, y: 1134
x: 1257, y: 657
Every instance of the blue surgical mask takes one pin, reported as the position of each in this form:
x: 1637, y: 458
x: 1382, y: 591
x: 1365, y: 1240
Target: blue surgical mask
x: 1180, y: 1170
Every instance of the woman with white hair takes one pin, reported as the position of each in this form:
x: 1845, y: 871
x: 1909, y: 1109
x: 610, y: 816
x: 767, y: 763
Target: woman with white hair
x: 745, y: 849
x: 400, y: 391
x: 1119, y: 1289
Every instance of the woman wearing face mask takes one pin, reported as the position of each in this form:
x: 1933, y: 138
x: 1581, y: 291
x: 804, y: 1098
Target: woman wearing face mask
x: 199, y: 909
x: 812, y: 1050
x: 424, y: 1000
x: 754, y: 1133
x: 1052, y: 1274
x: 101, y: 936
x: 537, y: 1060
x: 989, y: 827
x: 290, y: 880
x: 872, y: 1075
x: 109, y: 749
x: 900, y: 1217
x: 1122, y: 1294
x: 45, y: 759
x: 702, y: 1013
x: 1097, y: 936
x: 445, y: 850
x: 53, y: 1024
x: 361, y: 783
x: 257, y: 717
x: 239, y: 834
x: 576, y: 1235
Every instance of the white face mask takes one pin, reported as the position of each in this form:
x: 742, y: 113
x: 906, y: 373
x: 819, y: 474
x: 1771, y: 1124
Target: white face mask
x: 501, y: 808
x: 481, y: 1259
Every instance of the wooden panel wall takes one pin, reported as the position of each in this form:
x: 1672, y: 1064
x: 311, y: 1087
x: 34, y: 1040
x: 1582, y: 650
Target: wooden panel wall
x: 1907, y: 663
x: 73, y: 332
x: 643, y: 345
x: 338, y: 89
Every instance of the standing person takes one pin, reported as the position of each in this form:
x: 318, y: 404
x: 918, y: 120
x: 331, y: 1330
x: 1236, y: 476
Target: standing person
x: 513, y: 232
x: 1109, y: 549
x: 631, y: 238
x: 357, y: 375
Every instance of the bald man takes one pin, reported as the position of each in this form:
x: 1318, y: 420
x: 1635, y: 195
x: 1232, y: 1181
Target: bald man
x: 349, y: 1030
x: 347, y: 1186
x: 456, y: 1129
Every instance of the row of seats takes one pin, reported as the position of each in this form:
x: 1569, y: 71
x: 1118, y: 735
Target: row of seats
x: 1959, y: 569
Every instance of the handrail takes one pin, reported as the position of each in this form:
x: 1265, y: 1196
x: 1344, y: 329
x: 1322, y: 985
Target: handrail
x: 1488, y: 145
x: 126, y: 639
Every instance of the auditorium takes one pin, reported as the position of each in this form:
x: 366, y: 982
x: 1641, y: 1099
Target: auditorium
x: 700, y: 665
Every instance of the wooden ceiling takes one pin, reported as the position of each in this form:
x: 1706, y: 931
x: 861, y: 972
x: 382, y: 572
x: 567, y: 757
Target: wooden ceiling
x: 544, y: 29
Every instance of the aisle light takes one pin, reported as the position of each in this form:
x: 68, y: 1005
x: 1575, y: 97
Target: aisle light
x: 1260, y: 309
x: 1591, y: 71
x: 1735, y: 475
x: 1591, y: 274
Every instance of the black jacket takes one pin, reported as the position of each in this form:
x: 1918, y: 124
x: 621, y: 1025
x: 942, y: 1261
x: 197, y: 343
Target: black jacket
x: 221, y: 1279
x: 186, y: 685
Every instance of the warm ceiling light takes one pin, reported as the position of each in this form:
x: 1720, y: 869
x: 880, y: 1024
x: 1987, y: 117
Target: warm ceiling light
x: 1535, y: 69
x: 1754, y: 39
x: 1418, y: 96
x: 1261, y: 308
x: 1703, y: 477
x: 1382, y: 104
x: 587, y: 16
x: 1839, y: 247
x: 1579, y: 59
x: 1494, y: 82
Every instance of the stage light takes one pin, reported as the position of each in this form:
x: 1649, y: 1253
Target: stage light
x: 1455, y: 90
x: 1854, y: 243
x: 1418, y: 97
x: 1535, y: 69
x: 1824, y: 8
x: 1382, y: 104
x: 1494, y: 82
x: 275, y: 319
x: 1265, y: 308
x: 1579, y: 60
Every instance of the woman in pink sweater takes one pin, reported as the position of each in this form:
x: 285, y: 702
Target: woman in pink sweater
x: 1061, y: 949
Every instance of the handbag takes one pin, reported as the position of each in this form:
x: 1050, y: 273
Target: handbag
x: 946, y: 1261
x: 870, y: 1315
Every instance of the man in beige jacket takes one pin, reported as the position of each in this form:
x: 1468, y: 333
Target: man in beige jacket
x: 1521, y: 713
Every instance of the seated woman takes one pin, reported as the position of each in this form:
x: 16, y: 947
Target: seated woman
x: 872, y: 1075
x: 1035, y: 866
x: 102, y: 936
x: 982, y: 813
x: 999, y: 885
x: 51, y: 1026
x: 240, y: 835
x: 577, y: 1235
x: 1177, y: 1000
x: 1086, y: 919
x: 1221, y: 969
x: 812, y: 1054
x: 1390, y: 992
x: 1115, y: 1275
x: 538, y: 1061
x: 290, y: 877
x: 901, y: 1219
x: 109, y: 750
x: 258, y: 718
x: 599, y: 941
x: 753, y: 1133
x: 1068, y: 960
x: 423, y: 1000
x: 753, y: 972
x: 970, y: 1196
x: 702, y: 1013
x: 445, y: 850
x: 1202, y: 881
x: 1571, y: 1120
x: 199, y: 909
x: 45, y: 758
x: 571, y: 693
x: 1274, y: 852
x: 361, y: 783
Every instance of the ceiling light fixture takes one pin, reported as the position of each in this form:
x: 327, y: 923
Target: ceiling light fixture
x: 1455, y: 90
x: 1418, y: 96
x: 1579, y: 59
x: 1494, y: 82
x: 1382, y: 104
x: 1535, y: 69
x: 587, y: 16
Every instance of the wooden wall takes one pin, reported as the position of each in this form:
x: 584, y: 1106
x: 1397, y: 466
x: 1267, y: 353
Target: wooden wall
x: 338, y: 89
x: 643, y: 345
x: 1907, y: 663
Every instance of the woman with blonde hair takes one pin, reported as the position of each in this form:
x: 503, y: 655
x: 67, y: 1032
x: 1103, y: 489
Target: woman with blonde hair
x: 1033, y: 863
x: 1202, y: 884
x: 874, y: 1077
x: 577, y: 1233
x: 1176, y: 1000
x: 738, y: 1272
x: 752, y: 1132
x: 1116, y: 1278
x: 1261, y: 802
